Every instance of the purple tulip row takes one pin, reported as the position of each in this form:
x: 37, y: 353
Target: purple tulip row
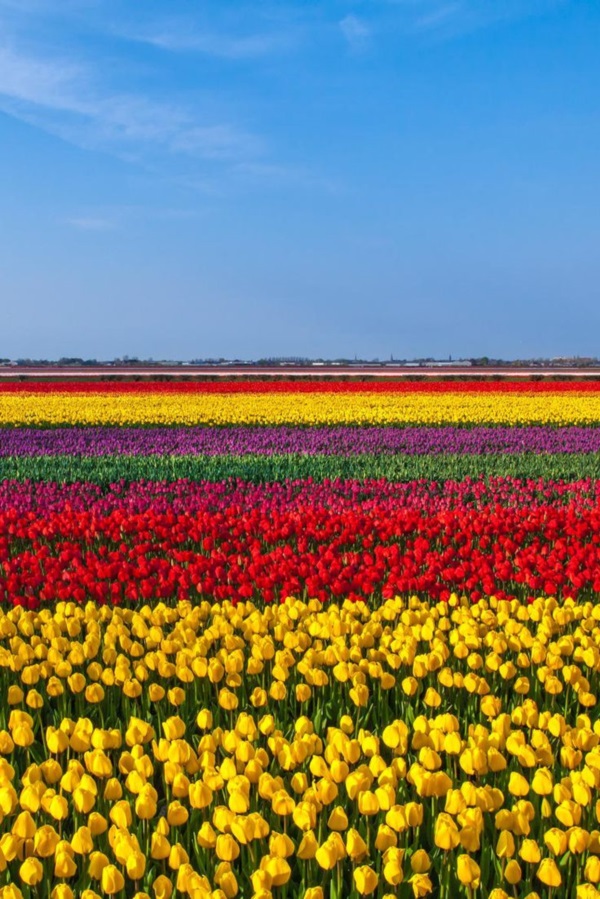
x: 342, y: 441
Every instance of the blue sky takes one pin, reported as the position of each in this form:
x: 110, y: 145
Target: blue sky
x: 189, y: 179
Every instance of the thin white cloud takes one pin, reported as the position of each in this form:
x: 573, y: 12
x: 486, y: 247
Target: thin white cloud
x: 91, y: 224
x: 217, y: 142
x: 65, y: 99
x: 451, y: 19
x: 44, y: 83
x: 456, y: 18
x: 355, y: 31
x: 116, y: 217
x: 222, y: 46
x: 438, y: 17
x: 266, y: 173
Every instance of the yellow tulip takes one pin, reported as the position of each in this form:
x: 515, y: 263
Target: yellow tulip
x: 200, y: 795
x: 226, y: 848
x: 207, y: 837
x: 58, y: 808
x: 81, y: 841
x: 31, y: 872
x: 282, y: 804
x: 517, y: 784
x: 326, y: 856
x: 542, y: 782
x: 548, y: 873
x: 177, y: 814
x: 228, y: 885
x: 281, y: 845
x: 556, y: 841
x: 385, y: 838
x: 97, y: 824
x: 136, y: 865
x: 98, y: 763
x: 229, y: 701
x: 113, y: 790
x: 338, y: 819
x: 420, y: 862
x: 277, y: 868
x: 97, y: 863
x: 446, y: 834
x: 15, y: 695
x: 94, y: 694
x: 160, y: 847
x: 23, y: 736
x: 45, y: 841
x: 120, y: 814
x: 62, y: 891
x: 162, y: 887
x: 24, y: 826
x: 112, y: 880
x: 365, y: 880
x: 592, y: 869
x: 146, y: 803
x: 413, y: 812
x: 468, y: 871
x: 421, y: 885
x: 173, y: 728
x: 530, y: 851
x: 56, y: 740
x: 308, y: 846
x: 64, y: 866
x: 505, y: 847
x: 368, y: 804
x: 177, y: 856
x: 578, y: 840
x: 355, y: 845
x: 512, y: 872
x: 392, y: 871
x: 469, y: 838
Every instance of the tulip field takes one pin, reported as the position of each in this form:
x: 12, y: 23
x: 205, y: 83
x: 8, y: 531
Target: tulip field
x: 320, y: 640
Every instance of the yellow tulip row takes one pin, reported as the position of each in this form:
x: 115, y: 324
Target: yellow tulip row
x: 413, y: 749
x: 459, y: 408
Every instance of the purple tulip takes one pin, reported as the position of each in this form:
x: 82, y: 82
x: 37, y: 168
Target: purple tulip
x: 342, y: 441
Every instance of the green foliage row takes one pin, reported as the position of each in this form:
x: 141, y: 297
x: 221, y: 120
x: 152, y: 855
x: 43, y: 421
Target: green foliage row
x: 259, y: 468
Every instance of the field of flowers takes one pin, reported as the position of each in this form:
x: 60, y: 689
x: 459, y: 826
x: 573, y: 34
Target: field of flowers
x: 313, y: 640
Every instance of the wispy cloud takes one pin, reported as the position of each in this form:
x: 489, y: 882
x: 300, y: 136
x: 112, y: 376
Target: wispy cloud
x: 66, y: 99
x: 218, y: 142
x: 355, y: 31
x: 120, y: 217
x: 91, y: 224
x: 223, y: 46
x: 37, y: 81
x: 272, y: 174
x: 439, y: 17
x: 454, y: 18
x: 451, y: 19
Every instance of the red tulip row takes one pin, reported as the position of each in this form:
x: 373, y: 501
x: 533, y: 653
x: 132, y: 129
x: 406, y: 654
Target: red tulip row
x: 269, y: 550
x: 294, y: 386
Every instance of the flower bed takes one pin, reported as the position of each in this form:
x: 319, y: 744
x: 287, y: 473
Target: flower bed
x: 415, y: 749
